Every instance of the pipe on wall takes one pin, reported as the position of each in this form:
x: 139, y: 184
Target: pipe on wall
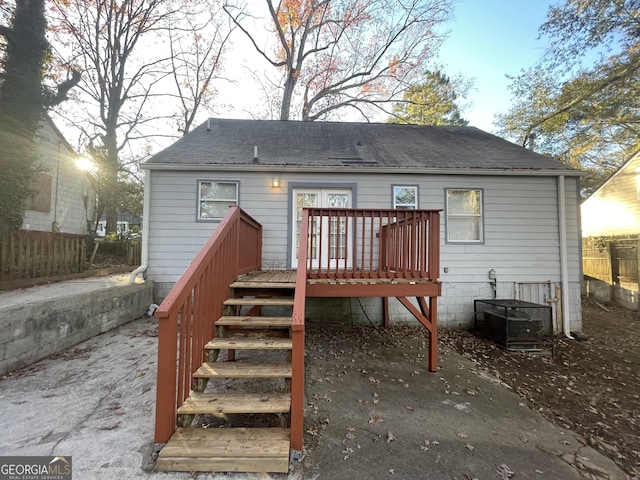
x: 146, y: 206
x: 564, y: 269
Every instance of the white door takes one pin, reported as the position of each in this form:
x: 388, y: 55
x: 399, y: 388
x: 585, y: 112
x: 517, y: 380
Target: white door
x: 334, y: 244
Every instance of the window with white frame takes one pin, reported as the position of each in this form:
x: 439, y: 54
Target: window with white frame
x: 215, y: 197
x: 405, y: 197
x: 464, y: 216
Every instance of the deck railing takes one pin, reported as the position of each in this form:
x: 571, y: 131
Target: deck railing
x: 188, y: 313
x: 362, y: 243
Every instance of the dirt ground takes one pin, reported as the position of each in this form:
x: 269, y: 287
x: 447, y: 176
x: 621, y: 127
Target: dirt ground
x: 590, y: 387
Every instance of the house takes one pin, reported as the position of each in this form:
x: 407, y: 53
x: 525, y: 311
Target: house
x: 52, y: 238
x: 611, y: 237
x: 126, y: 224
x: 614, y: 208
x: 65, y: 198
x: 414, y: 222
x: 501, y: 204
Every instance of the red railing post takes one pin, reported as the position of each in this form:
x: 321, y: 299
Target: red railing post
x: 166, y: 389
x: 434, y: 246
x: 298, y: 340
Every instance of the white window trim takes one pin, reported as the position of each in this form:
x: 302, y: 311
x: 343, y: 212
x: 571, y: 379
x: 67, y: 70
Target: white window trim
x: 465, y: 215
x: 199, y: 201
x: 393, y: 197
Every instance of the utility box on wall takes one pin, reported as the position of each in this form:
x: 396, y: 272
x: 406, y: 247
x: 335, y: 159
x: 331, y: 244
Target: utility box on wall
x: 514, y: 324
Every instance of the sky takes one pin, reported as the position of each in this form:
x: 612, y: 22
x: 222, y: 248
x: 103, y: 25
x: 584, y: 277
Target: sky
x: 487, y: 39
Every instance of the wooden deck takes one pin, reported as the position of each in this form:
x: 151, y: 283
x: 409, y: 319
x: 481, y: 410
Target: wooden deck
x: 223, y: 302
x: 343, y: 287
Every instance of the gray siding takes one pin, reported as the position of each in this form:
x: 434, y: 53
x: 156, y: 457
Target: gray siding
x: 521, y: 236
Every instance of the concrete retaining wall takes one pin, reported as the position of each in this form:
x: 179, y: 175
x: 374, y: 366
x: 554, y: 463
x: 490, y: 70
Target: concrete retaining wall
x: 37, y: 322
x: 624, y: 295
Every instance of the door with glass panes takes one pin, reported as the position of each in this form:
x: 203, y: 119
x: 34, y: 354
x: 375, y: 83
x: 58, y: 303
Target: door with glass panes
x: 336, y: 236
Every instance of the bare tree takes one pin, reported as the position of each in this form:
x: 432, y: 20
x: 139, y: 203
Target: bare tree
x: 197, y: 42
x: 347, y: 53
x: 112, y: 43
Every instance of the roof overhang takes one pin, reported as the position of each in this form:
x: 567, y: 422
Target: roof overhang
x: 360, y: 169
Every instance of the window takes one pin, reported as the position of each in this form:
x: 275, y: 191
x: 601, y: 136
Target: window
x: 405, y: 197
x: 464, y: 216
x: 41, y: 199
x: 215, y: 198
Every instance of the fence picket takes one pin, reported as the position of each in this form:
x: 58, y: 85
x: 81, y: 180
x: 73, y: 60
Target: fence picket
x: 28, y: 254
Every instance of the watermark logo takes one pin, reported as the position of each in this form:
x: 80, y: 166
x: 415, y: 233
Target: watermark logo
x: 35, y: 468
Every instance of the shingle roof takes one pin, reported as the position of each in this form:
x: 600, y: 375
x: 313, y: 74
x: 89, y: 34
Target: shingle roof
x: 335, y: 144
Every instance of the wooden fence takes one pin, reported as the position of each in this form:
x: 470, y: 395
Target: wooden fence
x: 40, y: 254
x: 612, y: 260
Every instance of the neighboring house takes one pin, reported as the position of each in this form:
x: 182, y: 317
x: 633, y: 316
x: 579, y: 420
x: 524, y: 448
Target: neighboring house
x: 65, y: 199
x: 125, y: 224
x: 611, y: 237
x: 614, y: 208
x: 509, y: 221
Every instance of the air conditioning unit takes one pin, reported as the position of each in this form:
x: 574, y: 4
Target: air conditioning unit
x: 514, y: 324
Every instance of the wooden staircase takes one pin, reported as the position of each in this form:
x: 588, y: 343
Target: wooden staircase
x: 243, y: 437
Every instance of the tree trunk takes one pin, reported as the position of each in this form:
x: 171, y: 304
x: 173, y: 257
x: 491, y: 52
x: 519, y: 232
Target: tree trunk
x: 21, y: 108
x: 287, y: 95
x: 111, y: 181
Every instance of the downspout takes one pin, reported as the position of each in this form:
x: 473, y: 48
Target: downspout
x: 146, y: 206
x: 564, y: 273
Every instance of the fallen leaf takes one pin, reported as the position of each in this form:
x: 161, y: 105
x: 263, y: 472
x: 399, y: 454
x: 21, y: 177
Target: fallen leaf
x: 109, y: 426
x: 504, y: 472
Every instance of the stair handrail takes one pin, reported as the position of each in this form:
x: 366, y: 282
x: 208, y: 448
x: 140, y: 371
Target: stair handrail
x: 298, y: 341
x: 187, y: 315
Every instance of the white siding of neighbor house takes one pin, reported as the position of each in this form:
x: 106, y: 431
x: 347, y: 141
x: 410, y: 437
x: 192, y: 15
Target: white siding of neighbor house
x: 72, y: 197
x: 521, y: 239
x: 614, y: 209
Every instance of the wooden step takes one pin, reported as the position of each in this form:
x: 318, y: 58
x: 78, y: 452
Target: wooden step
x: 263, y: 322
x: 226, y: 450
x: 265, y: 285
x: 228, y: 403
x: 267, y: 302
x: 243, y: 370
x: 248, y: 343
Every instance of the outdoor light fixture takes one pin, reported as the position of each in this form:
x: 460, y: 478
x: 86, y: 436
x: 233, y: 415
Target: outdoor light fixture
x: 275, y: 182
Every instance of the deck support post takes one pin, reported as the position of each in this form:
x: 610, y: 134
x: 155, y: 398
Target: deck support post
x: 427, y: 315
x: 385, y: 312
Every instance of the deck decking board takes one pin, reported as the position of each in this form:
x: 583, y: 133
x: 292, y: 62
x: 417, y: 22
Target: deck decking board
x: 230, y: 403
x: 248, y: 343
x: 267, y: 302
x: 243, y: 370
x: 249, y: 465
x: 229, y: 442
x: 252, y: 321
